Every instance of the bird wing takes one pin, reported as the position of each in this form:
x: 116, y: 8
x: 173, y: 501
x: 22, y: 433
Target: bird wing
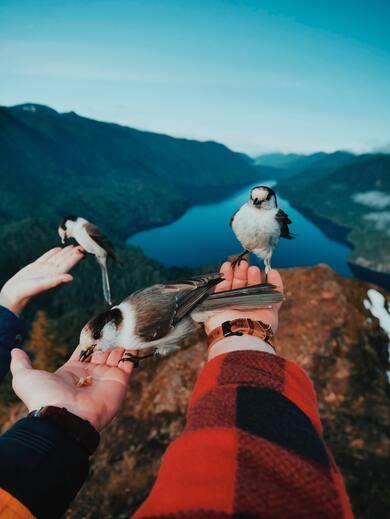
x: 283, y: 221
x: 101, y: 239
x: 164, y: 305
x: 232, y: 218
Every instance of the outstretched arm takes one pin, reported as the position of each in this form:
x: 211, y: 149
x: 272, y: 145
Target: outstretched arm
x: 47, y: 272
x: 252, y: 444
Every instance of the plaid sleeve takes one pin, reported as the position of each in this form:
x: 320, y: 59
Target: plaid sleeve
x: 252, y: 447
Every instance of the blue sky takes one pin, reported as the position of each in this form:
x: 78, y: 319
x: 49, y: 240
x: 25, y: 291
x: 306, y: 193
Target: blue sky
x: 256, y: 75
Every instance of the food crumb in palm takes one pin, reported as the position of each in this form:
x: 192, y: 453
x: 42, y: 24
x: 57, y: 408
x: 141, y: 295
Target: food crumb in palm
x: 84, y: 381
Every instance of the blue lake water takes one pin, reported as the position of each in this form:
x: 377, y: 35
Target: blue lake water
x: 203, y: 236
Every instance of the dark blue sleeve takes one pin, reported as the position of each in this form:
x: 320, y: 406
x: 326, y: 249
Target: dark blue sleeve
x: 42, y: 466
x: 12, y: 334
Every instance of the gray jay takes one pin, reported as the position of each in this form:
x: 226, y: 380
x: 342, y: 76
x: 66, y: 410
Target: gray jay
x: 162, y: 315
x: 259, y: 224
x: 93, y: 241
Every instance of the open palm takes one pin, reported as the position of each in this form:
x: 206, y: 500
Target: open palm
x: 241, y: 276
x: 98, y: 402
x: 48, y: 271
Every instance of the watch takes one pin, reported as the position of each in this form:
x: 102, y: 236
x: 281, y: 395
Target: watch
x: 80, y: 430
x: 241, y: 327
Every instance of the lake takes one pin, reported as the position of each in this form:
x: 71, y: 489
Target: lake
x: 202, y: 236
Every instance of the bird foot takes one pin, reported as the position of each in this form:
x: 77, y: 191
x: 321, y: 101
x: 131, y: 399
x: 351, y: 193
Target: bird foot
x: 236, y: 260
x: 86, y: 354
x: 135, y: 359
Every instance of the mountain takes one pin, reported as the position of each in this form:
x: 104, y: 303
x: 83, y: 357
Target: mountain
x: 304, y: 169
x: 54, y: 164
x: 356, y: 197
x: 320, y: 161
x: 277, y: 160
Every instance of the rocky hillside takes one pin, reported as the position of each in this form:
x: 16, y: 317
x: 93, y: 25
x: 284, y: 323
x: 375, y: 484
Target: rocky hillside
x: 326, y: 329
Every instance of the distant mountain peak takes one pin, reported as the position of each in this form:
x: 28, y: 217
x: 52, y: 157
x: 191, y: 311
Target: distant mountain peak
x: 33, y: 107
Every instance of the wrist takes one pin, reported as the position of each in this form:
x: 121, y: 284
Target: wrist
x: 93, y: 420
x: 81, y: 430
x: 15, y: 305
x: 239, y: 343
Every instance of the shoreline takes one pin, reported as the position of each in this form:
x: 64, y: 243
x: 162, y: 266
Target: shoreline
x: 339, y: 233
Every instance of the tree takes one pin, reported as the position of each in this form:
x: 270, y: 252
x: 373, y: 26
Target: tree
x: 48, y: 353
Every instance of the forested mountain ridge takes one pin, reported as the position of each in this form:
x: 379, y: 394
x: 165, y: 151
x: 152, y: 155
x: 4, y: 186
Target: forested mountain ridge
x: 54, y: 164
x: 355, y: 196
x: 304, y: 169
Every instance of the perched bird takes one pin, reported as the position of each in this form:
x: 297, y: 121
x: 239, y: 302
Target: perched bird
x: 162, y: 315
x: 93, y: 241
x: 259, y: 224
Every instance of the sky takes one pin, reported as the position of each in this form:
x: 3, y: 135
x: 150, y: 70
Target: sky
x: 258, y: 76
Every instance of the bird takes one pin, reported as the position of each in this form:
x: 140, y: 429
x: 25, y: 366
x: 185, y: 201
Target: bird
x: 93, y: 241
x: 163, y: 315
x: 259, y: 224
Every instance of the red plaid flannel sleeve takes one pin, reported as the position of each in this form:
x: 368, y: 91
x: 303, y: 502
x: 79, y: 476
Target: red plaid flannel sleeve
x: 252, y: 447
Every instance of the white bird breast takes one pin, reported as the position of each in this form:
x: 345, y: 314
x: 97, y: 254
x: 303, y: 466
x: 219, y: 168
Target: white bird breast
x: 256, y: 229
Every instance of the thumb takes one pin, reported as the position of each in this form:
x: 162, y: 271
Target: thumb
x: 58, y: 280
x: 19, y: 360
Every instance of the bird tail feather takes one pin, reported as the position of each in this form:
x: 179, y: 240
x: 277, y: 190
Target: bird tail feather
x: 106, y: 282
x: 254, y: 296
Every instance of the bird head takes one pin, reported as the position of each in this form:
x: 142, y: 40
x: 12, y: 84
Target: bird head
x: 65, y: 227
x: 103, y: 331
x: 263, y: 197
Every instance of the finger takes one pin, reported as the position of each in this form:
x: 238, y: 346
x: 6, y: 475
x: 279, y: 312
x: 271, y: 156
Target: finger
x: 76, y: 354
x: 69, y: 259
x: 254, y: 275
x: 240, y: 278
x: 227, y: 270
x: 275, y: 279
x: 50, y: 253
x: 19, y: 361
x: 100, y: 357
x: 127, y: 366
x: 55, y: 281
x: 115, y: 356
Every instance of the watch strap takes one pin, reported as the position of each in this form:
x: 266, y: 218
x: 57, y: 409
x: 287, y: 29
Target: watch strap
x: 80, y: 430
x: 239, y: 327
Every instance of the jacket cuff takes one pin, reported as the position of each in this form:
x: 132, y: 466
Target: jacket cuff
x: 42, y: 466
x: 259, y: 370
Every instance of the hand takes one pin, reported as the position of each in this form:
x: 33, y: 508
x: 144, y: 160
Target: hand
x: 48, y: 271
x: 243, y: 276
x: 98, y: 403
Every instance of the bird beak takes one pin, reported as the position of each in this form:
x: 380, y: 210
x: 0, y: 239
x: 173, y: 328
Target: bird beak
x: 256, y: 201
x: 62, y: 234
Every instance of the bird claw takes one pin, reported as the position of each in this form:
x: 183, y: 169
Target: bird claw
x: 135, y: 359
x: 86, y: 354
x: 236, y: 260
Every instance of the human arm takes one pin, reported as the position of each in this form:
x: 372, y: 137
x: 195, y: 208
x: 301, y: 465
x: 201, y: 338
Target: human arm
x: 42, y: 465
x: 252, y: 445
x: 47, y: 272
